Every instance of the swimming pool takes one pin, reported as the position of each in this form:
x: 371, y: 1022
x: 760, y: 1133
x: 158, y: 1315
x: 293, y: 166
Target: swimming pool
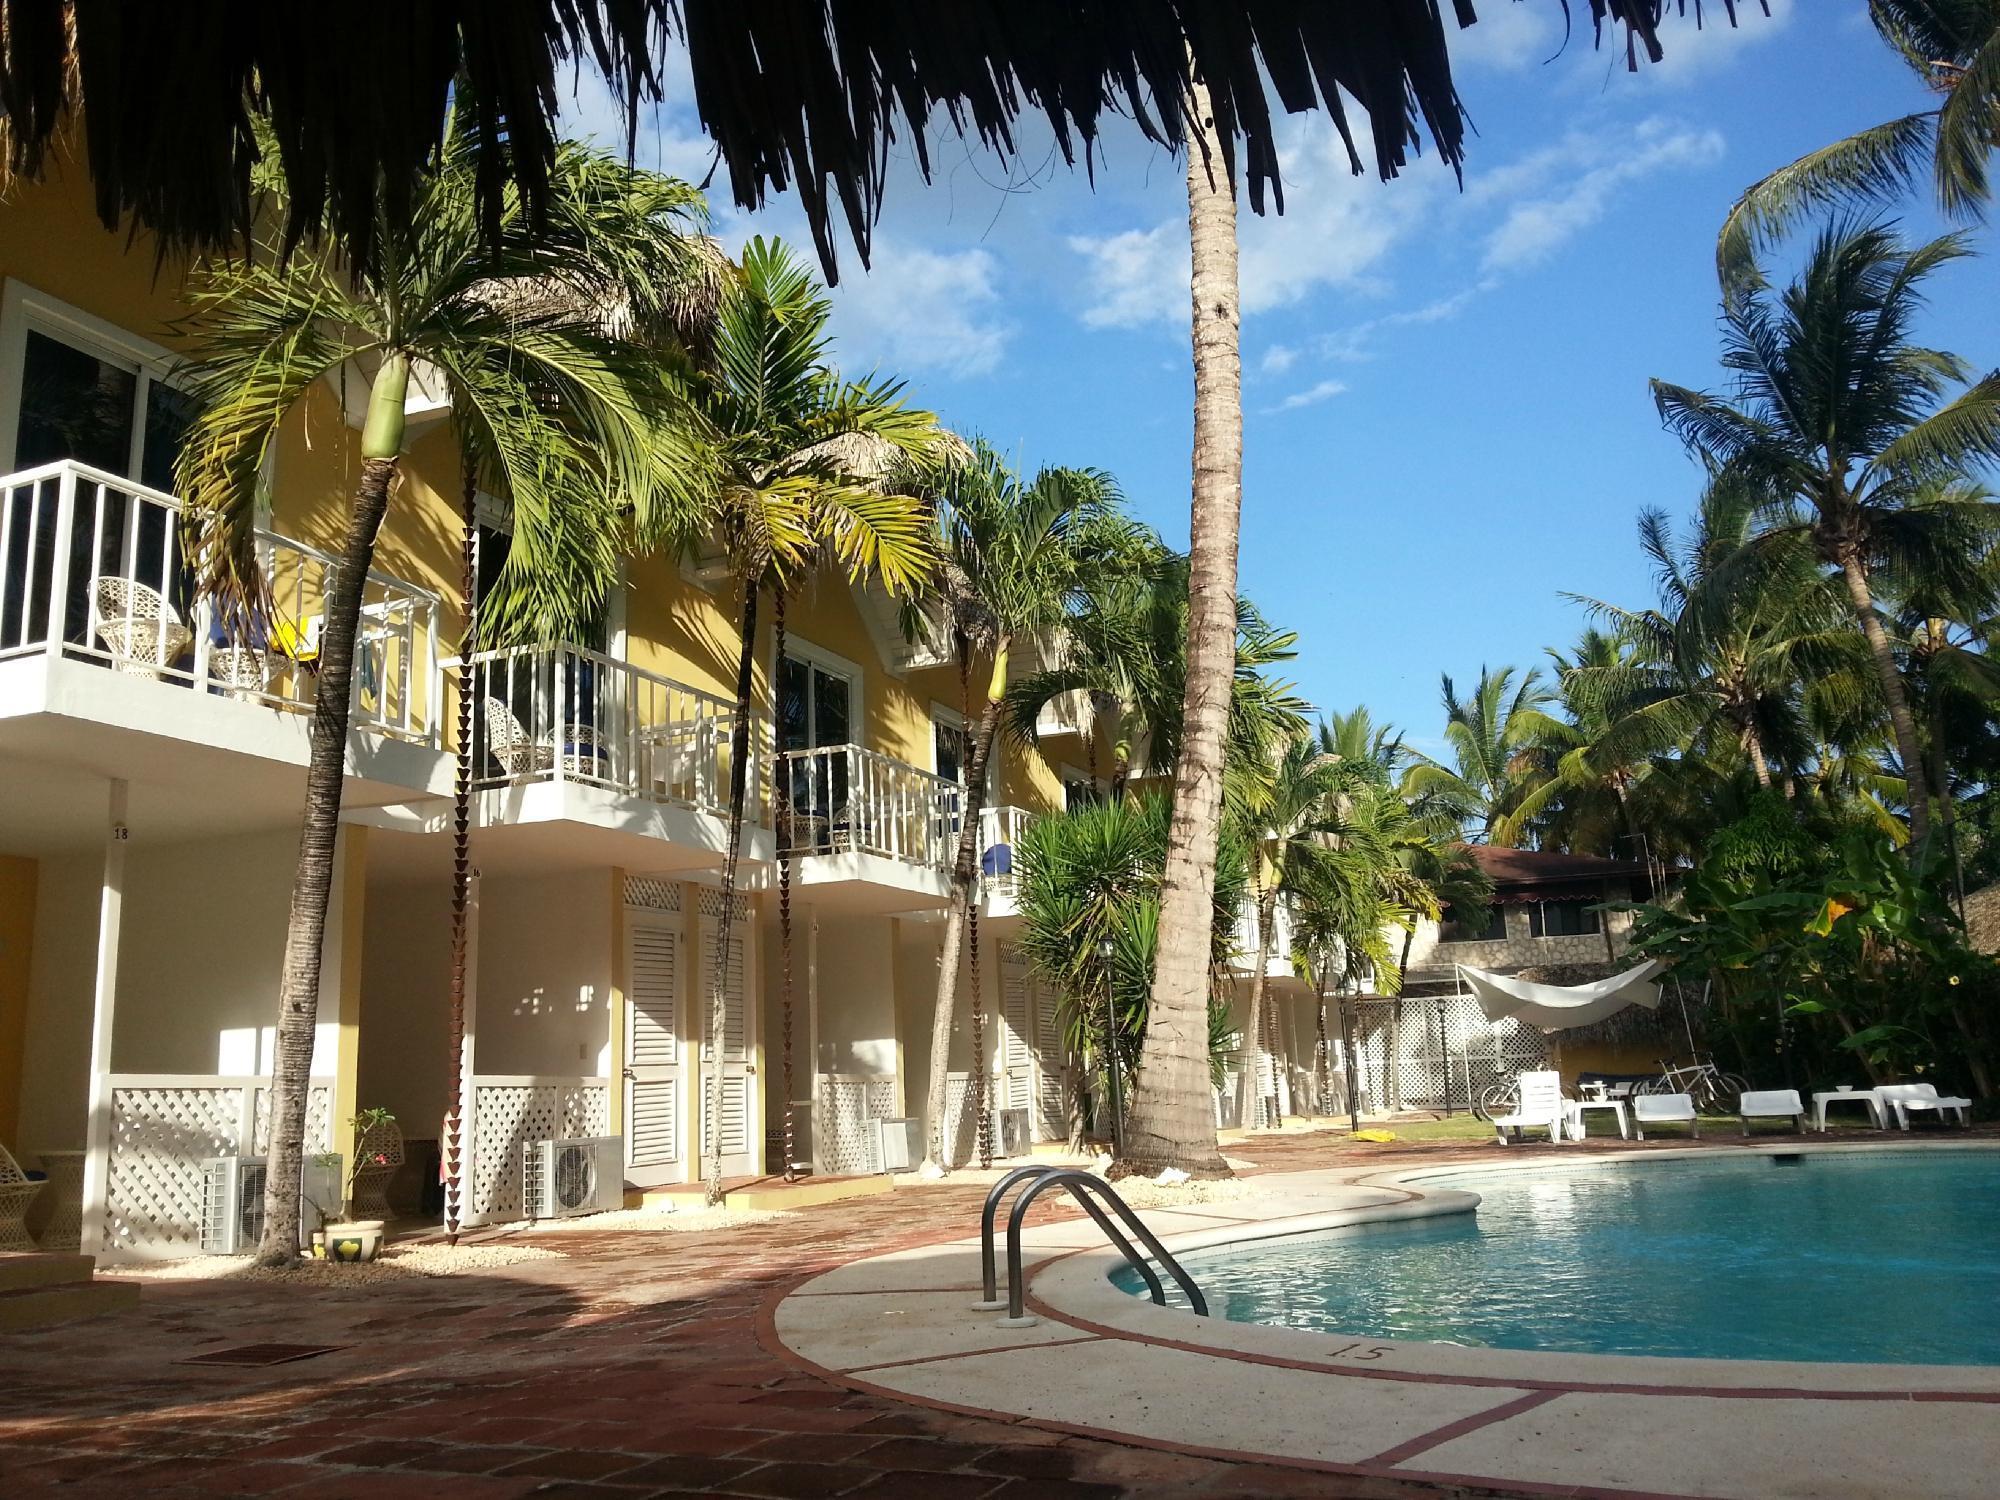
x: 1868, y: 1257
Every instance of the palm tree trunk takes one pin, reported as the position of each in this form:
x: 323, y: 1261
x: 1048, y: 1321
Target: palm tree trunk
x: 1350, y: 1062
x: 451, y: 1148
x: 725, y: 933
x: 1753, y: 746
x: 781, y: 818
x: 1171, y: 1123
x: 1250, y: 1086
x: 1907, y: 749
x: 1322, y: 1070
x: 964, y: 878
x: 312, y: 886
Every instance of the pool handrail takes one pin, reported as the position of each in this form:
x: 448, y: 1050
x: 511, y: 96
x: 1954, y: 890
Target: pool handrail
x: 1083, y: 1187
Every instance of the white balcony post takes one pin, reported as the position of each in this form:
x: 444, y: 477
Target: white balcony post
x: 558, y: 707
x: 104, y: 1002
x: 59, y: 566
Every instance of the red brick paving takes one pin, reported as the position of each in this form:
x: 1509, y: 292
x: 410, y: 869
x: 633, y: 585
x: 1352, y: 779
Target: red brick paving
x: 630, y: 1368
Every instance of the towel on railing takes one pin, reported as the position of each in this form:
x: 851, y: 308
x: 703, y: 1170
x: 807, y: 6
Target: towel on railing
x: 998, y: 860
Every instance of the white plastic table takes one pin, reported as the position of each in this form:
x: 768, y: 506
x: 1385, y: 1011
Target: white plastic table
x: 1573, y: 1116
x: 1840, y: 1096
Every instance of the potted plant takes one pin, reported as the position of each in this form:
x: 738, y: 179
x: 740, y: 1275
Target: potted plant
x: 358, y: 1241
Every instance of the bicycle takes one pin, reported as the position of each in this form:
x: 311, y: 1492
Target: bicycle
x: 1701, y: 1080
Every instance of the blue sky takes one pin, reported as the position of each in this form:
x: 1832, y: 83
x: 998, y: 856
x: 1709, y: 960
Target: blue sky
x: 1447, y: 421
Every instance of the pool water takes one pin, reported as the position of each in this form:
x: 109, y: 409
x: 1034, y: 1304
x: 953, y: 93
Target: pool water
x: 1875, y: 1257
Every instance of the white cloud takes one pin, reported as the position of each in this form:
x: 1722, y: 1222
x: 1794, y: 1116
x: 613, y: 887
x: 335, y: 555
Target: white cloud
x: 1278, y: 359
x: 1335, y: 232
x: 1352, y: 345
x: 1326, y: 390
x: 1506, y: 37
x: 1595, y: 169
x: 923, y: 310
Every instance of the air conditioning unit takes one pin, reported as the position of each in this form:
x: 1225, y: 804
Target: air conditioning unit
x: 899, y: 1144
x: 561, y: 1179
x: 1017, y: 1132
x: 232, y: 1201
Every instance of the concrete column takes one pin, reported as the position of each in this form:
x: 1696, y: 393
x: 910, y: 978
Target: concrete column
x: 104, y: 1004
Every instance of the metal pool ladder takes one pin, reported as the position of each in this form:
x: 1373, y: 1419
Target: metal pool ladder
x: 1094, y: 1195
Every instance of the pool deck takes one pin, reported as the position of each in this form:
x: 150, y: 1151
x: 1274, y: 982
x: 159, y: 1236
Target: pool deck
x: 1101, y: 1364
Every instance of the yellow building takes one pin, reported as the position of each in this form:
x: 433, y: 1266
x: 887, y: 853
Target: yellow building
x: 150, y: 787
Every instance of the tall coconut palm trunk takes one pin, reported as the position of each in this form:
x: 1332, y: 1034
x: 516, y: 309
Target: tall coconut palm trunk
x: 1172, y: 1123
x: 959, y: 917
x: 452, y: 1146
x: 725, y: 927
x: 312, y: 885
x: 1350, y: 1063
x: 1908, y: 750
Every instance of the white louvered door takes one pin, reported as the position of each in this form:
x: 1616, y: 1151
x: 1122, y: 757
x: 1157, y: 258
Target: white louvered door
x: 1051, y: 1072
x: 1017, y: 1059
x: 740, y: 1107
x: 653, y: 972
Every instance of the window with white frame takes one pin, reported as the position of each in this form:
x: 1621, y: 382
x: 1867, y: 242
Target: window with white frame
x: 817, y: 700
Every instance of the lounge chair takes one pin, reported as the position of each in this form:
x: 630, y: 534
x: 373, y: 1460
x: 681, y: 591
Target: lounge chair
x: 1772, y: 1104
x: 1664, y: 1109
x: 1904, y: 1099
x: 1541, y: 1108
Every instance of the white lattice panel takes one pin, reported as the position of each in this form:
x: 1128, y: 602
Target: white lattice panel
x: 845, y: 1107
x: 651, y: 893
x: 506, y: 1117
x: 161, y: 1132
x: 961, y: 1140
x: 708, y: 903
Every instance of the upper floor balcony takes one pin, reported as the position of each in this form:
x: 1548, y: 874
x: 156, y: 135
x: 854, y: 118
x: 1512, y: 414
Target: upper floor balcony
x: 876, y: 833
x: 108, y: 652
x: 577, y: 744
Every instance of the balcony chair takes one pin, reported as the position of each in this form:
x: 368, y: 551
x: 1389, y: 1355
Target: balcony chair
x: 240, y: 661
x: 521, y: 754
x: 139, y: 628
x: 17, y: 1191
x: 379, y: 1153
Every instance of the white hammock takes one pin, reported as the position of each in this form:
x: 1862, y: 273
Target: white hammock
x: 1556, y: 1007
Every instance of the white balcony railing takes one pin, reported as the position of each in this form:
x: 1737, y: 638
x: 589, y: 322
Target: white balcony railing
x: 562, y: 713
x: 1000, y: 830
x: 845, y: 799
x: 94, y: 568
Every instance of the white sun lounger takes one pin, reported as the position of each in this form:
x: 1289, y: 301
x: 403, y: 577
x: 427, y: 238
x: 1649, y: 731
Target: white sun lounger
x: 1904, y: 1099
x: 1541, y: 1108
x: 1772, y: 1104
x: 1664, y: 1109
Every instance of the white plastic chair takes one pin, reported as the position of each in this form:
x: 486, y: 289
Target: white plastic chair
x: 1665, y: 1109
x: 1772, y: 1104
x: 1541, y: 1108
x: 1904, y: 1099
x: 140, y: 629
x: 17, y: 1191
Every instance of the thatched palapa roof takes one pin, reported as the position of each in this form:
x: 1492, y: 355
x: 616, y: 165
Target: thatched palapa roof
x: 800, y: 94
x: 1982, y: 919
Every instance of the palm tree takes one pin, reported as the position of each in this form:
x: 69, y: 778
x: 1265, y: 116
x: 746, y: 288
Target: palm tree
x: 1725, y: 659
x: 1492, y: 735
x: 1953, y: 47
x: 566, y: 418
x: 1170, y: 1124
x: 1015, y: 559
x: 1842, y: 426
x: 798, y: 459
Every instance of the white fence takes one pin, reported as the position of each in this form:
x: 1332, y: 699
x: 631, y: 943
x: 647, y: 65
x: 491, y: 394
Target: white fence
x: 95, y: 568
x: 1001, y: 827
x: 845, y: 799
x: 562, y: 713
x: 845, y: 1105
x: 163, y: 1127
x: 511, y: 1111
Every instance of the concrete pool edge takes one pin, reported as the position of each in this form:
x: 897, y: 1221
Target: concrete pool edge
x: 1077, y: 1289
x: 1107, y: 1365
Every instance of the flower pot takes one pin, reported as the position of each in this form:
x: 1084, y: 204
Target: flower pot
x: 354, y: 1244
x: 319, y: 1244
